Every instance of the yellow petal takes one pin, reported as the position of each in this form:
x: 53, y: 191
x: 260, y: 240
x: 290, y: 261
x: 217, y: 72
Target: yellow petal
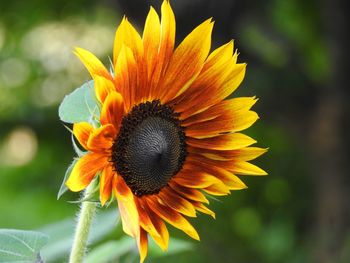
x: 219, y: 56
x: 85, y: 170
x: 151, y: 39
x: 234, y: 79
x: 167, y: 30
x: 92, y: 63
x: 82, y: 131
x: 103, y: 87
x: 247, y: 169
x: 244, y: 154
x: 126, y: 35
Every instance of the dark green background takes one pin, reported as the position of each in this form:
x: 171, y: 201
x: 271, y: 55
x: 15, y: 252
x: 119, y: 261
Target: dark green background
x: 296, y: 54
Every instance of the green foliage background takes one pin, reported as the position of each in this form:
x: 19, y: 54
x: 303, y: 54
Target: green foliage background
x: 296, y: 214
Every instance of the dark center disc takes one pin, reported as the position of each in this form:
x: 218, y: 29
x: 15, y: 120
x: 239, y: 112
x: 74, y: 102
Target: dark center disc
x: 150, y: 148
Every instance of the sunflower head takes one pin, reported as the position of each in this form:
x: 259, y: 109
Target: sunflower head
x: 167, y: 134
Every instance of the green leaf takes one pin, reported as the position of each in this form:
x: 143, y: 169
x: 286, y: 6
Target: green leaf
x: 62, y: 233
x: 79, y: 106
x: 111, y: 250
x: 63, y: 187
x: 20, y: 246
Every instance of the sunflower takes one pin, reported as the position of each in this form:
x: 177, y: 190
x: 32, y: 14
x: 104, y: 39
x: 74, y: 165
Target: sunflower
x: 167, y: 134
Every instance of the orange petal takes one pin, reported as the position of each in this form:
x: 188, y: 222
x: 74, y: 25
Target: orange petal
x: 103, y: 87
x: 126, y: 76
x: 225, y: 107
x: 229, y: 179
x: 167, y: 29
x: 127, y: 207
x: 194, y: 179
x: 92, y: 63
x: 161, y: 234
x: 166, y: 46
x: 222, y: 124
x: 145, y: 220
x: 205, y: 162
x: 102, y: 138
x: 211, y: 154
x: 85, y: 170
x: 82, y: 131
x: 127, y: 37
x: 142, y: 244
x: 236, y: 167
x: 106, y: 184
x: 172, y: 217
x: 172, y: 199
x: 224, y: 142
x: 211, y: 88
x: 206, y: 86
x: 244, y: 154
x: 189, y: 193
x: 112, y: 110
x: 187, y: 61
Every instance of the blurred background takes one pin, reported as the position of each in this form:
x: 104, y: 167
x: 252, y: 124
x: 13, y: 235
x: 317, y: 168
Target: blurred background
x: 296, y: 53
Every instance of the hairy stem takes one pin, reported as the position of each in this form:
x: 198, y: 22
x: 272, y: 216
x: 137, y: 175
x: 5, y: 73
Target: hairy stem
x: 85, y: 217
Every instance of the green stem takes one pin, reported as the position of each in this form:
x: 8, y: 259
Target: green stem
x: 85, y: 217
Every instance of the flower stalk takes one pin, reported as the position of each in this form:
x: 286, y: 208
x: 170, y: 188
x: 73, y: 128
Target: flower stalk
x: 85, y: 217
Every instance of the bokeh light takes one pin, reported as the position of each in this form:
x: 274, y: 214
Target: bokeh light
x: 19, y: 147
